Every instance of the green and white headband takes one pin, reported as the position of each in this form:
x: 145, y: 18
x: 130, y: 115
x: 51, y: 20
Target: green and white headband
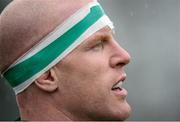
x: 56, y: 45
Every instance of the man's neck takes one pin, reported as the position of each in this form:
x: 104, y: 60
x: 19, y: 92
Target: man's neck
x: 37, y: 107
x: 46, y: 113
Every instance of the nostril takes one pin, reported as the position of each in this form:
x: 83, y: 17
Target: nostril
x: 120, y: 57
x: 116, y: 61
x: 120, y: 64
x: 119, y: 60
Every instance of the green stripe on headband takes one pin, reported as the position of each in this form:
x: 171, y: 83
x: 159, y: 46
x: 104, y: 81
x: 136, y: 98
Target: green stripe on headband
x: 31, y: 66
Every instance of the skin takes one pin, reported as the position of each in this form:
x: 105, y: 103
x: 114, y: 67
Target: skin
x: 79, y: 86
x: 21, y: 30
x: 89, y: 78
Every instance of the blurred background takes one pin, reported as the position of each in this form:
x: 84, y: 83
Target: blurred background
x: 150, y: 31
x: 4, y: 3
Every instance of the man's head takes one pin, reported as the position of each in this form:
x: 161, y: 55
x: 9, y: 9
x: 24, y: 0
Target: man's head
x: 83, y: 85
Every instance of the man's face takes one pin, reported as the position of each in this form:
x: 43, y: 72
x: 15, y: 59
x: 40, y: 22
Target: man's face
x: 87, y: 76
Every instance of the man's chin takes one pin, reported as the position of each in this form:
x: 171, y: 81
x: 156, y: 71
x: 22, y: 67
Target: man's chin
x: 123, y: 113
x: 126, y: 113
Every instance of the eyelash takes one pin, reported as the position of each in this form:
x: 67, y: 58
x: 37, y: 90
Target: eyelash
x: 98, y: 45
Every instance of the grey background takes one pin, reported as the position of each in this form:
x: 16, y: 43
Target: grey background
x: 150, y: 31
x: 8, y: 105
x: 3, y: 3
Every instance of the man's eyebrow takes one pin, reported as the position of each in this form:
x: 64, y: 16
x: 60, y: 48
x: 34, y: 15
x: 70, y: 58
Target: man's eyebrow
x: 99, y: 35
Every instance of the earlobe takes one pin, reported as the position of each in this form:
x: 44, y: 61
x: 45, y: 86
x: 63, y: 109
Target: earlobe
x: 48, y: 81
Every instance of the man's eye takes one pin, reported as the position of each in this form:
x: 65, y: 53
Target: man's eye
x: 98, y: 46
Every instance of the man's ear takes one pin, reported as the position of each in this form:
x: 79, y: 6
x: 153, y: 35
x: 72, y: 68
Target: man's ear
x: 48, y: 81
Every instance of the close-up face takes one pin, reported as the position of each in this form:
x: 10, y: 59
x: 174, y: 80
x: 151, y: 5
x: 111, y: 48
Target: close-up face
x: 88, y: 79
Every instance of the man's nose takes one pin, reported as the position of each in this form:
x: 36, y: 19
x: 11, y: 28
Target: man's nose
x: 120, y: 57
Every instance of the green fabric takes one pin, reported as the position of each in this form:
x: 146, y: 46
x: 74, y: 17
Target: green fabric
x: 28, y: 68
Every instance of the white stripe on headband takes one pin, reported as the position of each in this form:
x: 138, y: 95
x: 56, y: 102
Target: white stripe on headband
x: 57, y: 32
x: 84, y: 15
